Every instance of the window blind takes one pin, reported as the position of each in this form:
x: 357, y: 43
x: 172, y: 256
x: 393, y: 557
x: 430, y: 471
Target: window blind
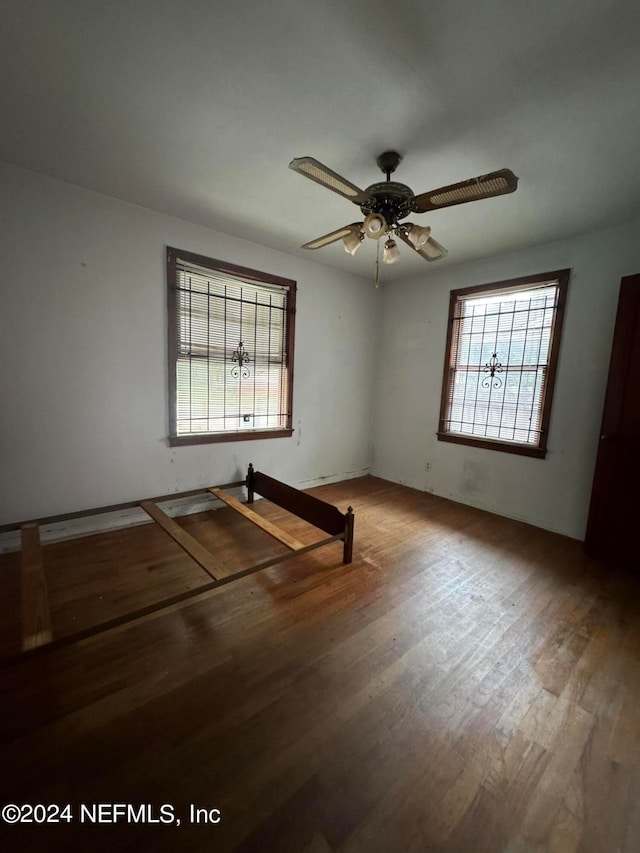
x: 232, y: 360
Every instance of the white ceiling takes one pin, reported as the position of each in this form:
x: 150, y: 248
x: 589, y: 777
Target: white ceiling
x: 195, y: 109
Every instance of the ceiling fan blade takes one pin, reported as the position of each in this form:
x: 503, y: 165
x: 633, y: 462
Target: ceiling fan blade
x: 340, y: 234
x: 433, y: 251
x: 326, y: 177
x: 486, y: 186
x: 430, y: 251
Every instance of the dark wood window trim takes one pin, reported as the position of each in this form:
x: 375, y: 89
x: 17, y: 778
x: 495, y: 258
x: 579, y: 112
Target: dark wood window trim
x: 233, y: 271
x: 561, y: 277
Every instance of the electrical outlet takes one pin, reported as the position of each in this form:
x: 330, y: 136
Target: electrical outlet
x: 427, y: 466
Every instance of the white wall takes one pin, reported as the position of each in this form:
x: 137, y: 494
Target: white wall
x: 83, y: 363
x: 552, y: 493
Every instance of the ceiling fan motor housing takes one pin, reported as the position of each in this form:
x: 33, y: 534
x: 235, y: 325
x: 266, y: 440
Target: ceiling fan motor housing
x: 392, y: 200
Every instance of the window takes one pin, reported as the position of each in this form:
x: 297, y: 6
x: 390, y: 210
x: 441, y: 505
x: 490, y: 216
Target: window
x: 230, y: 351
x: 500, y: 364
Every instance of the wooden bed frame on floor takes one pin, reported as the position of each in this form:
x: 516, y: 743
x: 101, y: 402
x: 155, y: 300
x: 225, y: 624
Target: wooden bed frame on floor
x: 36, y: 619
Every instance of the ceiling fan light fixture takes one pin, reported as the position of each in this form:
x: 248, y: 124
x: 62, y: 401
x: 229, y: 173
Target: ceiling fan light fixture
x: 352, y: 241
x: 375, y: 225
x: 391, y: 252
x: 418, y: 235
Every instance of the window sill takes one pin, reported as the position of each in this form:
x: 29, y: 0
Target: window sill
x: 217, y: 437
x: 494, y: 444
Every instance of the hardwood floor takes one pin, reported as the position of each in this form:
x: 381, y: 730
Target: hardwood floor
x: 468, y: 683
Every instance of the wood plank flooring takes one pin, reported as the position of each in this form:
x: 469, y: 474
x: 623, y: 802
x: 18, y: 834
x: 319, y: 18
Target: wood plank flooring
x: 468, y: 683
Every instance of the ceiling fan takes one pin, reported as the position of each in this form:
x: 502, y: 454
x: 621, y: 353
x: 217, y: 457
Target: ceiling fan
x: 384, y: 204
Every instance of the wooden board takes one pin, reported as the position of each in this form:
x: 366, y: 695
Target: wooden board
x: 316, y: 512
x: 200, y: 554
x: 99, y: 510
x: 36, y: 619
x: 258, y: 520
